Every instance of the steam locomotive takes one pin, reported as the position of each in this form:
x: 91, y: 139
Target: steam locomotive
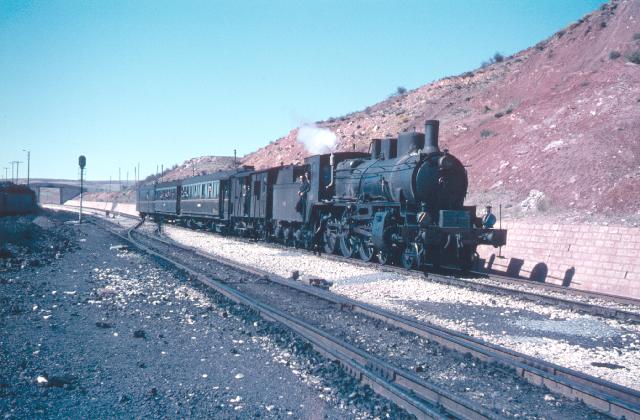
x: 401, y: 202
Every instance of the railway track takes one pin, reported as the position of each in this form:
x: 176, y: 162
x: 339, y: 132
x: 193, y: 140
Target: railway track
x: 601, y: 309
x: 404, y: 388
x: 559, y: 296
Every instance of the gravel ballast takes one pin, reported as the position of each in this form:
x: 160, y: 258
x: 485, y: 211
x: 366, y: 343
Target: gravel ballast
x: 106, y: 332
x: 605, y: 348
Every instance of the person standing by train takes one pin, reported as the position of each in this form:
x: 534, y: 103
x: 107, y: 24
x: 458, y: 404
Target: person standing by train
x: 489, y: 219
x: 303, y: 191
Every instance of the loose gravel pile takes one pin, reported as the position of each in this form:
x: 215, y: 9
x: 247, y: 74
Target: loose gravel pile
x: 605, y: 348
x: 34, y: 240
x: 105, y: 332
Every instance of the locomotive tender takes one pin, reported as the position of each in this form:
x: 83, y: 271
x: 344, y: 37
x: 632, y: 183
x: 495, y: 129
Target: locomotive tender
x: 402, y: 201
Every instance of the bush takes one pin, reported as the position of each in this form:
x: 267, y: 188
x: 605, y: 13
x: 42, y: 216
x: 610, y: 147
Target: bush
x: 636, y: 36
x: 634, y: 57
x: 613, y: 55
x: 401, y: 90
x: 486, y: 133
x: 497, y: 58
x: 499, y: 115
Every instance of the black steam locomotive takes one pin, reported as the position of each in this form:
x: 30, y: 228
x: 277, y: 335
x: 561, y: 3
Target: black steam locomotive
x: 403, y: 201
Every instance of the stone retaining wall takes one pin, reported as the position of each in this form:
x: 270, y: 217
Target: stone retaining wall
x: 599, y: 258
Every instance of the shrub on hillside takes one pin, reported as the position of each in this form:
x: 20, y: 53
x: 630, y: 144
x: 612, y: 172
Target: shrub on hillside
x: 613, y: 55
x: 636, y: 36
x: 497, y: 58
x: 486, y: 133
x: 634, y: 57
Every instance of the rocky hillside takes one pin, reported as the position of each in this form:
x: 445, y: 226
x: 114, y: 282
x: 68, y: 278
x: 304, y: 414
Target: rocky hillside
x: 554, y: 126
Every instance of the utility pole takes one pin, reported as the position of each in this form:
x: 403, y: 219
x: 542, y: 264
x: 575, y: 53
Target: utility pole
x: 6, y: 173
x: 161, y: 172
x: 138, y: 177
x: 135, y: 175
x: 109, y: 183
x: 235, y: 164
x: 17, y: 163
x: 28, y: 164
x: 127, y: 183
x: 82, y: 162
x: 119, y: 180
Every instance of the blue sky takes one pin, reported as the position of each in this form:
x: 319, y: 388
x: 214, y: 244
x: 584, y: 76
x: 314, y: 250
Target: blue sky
x: 158, y: 82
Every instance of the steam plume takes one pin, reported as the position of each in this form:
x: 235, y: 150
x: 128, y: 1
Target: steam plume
x: 317, y: 140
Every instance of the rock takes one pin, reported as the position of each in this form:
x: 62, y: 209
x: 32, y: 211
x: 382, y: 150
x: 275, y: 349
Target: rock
x: 64, y: 381
x: 43, y: 222
x: 42, y: 380
x: 239, y: 376
x: 101, y: 324
x: 536, y: 200
x: 123, y: 399
x: 139, y: 334
x: 607, y: 365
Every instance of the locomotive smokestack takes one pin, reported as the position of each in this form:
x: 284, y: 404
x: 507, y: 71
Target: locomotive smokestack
x: 431, y: 128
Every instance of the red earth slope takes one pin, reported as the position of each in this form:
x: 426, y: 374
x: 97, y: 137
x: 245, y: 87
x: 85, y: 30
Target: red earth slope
x: 562, y: 117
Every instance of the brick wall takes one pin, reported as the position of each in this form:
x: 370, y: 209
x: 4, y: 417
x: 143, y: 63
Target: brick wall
x: 599, y: 258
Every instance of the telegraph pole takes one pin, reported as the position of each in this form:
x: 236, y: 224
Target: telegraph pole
x: 17, y: 164
x: 6, y: 173
x: 28, y: 164
x: 82, y: 162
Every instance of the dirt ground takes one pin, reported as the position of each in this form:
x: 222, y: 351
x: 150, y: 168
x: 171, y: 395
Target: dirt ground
x: 102, y: 331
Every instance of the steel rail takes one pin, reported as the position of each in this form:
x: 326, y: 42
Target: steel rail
x: 405, y: 389
x: 604, y: 396
x: 577, y: 306
x: 523, y: 294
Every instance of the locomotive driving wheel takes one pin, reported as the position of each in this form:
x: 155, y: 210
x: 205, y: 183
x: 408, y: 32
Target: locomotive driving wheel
x: 366, y: 250
x: 331, y: 237
x: 347, y: 247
